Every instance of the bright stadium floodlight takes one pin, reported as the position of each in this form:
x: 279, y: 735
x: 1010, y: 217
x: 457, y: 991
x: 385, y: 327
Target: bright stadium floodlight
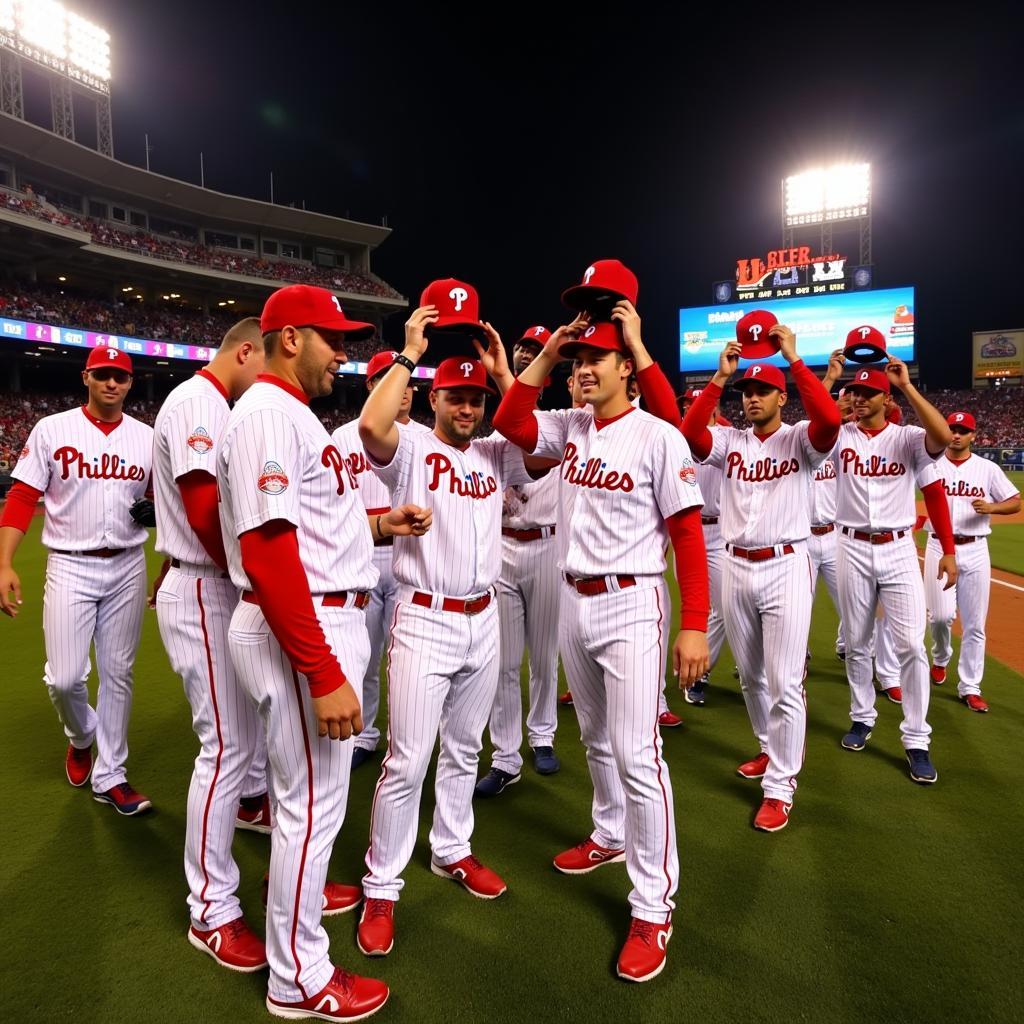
x: 41, y: 24
x: 46, y: 32
x: 88, y: 47
x: 841, y: 192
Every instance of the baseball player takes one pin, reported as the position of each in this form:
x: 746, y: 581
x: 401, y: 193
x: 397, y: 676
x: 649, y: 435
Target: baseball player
x: 766, y: 581
x: 627, y: 487
x: 877, y: 466
x: 443, y: 652
x: 377, y: 501
x: 298, y: 547
x: 977, y: 489
x: 89, y: 465
x: 193, y: 605
x: 528, y: 594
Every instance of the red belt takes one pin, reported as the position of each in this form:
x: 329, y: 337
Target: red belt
x: 885, y: 537
x: 820, y: 531
x: 337, y: 599
x: 708, y: 520
x: 95, y: 553
x: 591, y: 586
x: 473, y: 606
x: 535, y: 533
x: 758, y: 554
x: 961, y: 538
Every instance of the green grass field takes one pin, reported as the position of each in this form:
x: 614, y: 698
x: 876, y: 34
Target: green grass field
x: 883, y: 901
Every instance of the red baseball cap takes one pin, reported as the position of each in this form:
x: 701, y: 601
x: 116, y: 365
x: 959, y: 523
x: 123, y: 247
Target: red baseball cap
x: 459, y: 372
x: 691, y: 393
x: 874, y: 380
x: 303, y: 305
x: 752, y: 333
x: 865, y: 344
x: 763, y: 373
x: 103, y: 356
x: 458, y: 304
x: 605, y: 335
x: 537, y: 335
x: 379, y: 363
x: 604, y: 282
x: 961, y: 419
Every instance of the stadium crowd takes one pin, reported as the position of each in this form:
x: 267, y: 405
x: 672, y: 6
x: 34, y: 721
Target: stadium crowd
x: 180, y: 250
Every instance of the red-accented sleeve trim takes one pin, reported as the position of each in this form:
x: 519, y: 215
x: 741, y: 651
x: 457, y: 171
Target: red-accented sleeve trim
x: 199, y: 496
x: 938, y: 512
x: 695, y: 422
x: 691, y: 567
x: 20, y: 506
x: 514, y: 417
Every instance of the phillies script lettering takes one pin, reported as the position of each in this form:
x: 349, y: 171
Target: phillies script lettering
x: 592, y: 473
x: 332, y: 458
x: 962, y: 489
x: 357, y: 463
x: 476, y: 485
x: 876, y: 465
x: 760, y: 471
x: 104, y: 467
x: 826, y: 471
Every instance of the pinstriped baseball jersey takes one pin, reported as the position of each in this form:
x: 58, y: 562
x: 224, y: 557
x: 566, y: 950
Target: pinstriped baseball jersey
x: 525, y: 506
x: 766, y: 494
x: 90, y: 479
x: 372, y: 489
x: 461, y: 555
x: 967, y: 481
x: 186, y: 431
x: 710, y: 480
x: 276, y: 461
x: 876, y: 476
x: 823, y: 494
x: 619, y: 482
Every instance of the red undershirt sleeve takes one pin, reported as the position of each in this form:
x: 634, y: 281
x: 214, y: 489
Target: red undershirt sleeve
x: 21, y: 506
x: 658, y: 395
x: 938, y: 512
x: 691, y: 567
x: 695, y: 422
x: 199, y: 496
x: 270, y: 558
x: 514, y: 418
x: 821, y: 410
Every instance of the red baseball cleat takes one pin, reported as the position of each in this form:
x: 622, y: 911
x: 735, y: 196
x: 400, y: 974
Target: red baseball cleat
x: 124, y: 800
x: 643, y: 955
x: 895, y: 694
x: 254, y: 814
x: 773, y: 816
x: 975, y: 703
x: 938, y: 674
x: 585, y: 857
x: 340, y: 899
x: 753, y: 769
x: 566, y: 699
x: 78, y: 765
x: 232, y: 945
x: 345, y: 997
x: 473, y: 876
x: 376, y: 933
x: 669, y: 720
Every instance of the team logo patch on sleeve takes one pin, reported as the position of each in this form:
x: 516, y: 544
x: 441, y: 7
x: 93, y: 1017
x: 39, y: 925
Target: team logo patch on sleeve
x: 272, y: 480
x: 23, y: 454
x: 688, y: 474
x: 200, y: 441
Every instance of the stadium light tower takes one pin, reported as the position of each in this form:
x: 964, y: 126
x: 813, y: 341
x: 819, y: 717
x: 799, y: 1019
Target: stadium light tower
x: 74, y: 55
x: 823, y: 197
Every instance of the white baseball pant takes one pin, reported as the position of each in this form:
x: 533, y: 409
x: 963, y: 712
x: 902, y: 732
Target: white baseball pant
x: 822, y: 552
x: 768, y: 620
x: 970, y: 595
x: 715, y: 547
x: 379, y: 613
x: 869, y: 573
x: 887, y: 666
x: 309, y: 786
x: 88, y: 599
x: 193, y: 610
x: 614, y: 650
x: 442, y: 674
x: 528, y: 596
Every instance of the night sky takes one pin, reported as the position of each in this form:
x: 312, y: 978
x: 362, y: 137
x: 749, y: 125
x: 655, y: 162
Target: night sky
x: 513, y: 156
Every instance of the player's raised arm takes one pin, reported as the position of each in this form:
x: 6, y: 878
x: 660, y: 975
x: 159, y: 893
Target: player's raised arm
x: 494, y: 359
x: 834, y: 371
x: 695, y: 422
x: 821, y: 410
x: 377, y: 429
x: 934, y: 423
x: 655, y: 389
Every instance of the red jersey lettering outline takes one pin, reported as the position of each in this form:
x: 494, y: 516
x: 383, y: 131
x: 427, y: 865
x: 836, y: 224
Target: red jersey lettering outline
x: 962, y: 489
x: 826, y: 471
x: 592, y: 473
x: 761, y: 470
x: 107, y: 466
x: 876, y: 465
x: 332, y: 458
x: 476, y: 485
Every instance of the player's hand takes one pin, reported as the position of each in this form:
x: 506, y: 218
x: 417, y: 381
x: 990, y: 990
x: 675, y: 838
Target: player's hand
x: 158, y: 582
x: 415, y: 340
x: 836, y: 363
x: 567, y: 332
x: 408, y: 521
x: 143, y: 511
x: 787, y: 342
x: 628, y: 318
x: 493, y: 357
x: 982, y: 507
x: 896, y: 371
x: 338, y: 714
x: 729, y: 359
x: 10, y: 592
x: 690, y: 657
x: 947, y: 568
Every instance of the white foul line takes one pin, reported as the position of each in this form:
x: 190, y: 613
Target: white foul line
x: 1002, y: 583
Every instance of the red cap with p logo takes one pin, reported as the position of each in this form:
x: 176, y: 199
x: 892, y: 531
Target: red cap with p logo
x: 752, y: 333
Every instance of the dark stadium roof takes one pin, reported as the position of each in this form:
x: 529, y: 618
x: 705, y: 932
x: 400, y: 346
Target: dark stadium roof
x: 113, y: 178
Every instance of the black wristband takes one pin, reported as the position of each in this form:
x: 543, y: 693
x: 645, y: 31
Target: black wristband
x: 401, y: 360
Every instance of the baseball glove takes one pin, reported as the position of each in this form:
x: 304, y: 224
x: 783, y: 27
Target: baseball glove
x: 143, y: 512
